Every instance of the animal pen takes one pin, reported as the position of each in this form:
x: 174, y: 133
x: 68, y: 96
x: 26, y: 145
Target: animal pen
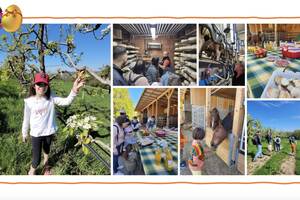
x: 161, y: 103
x: 196, y: 105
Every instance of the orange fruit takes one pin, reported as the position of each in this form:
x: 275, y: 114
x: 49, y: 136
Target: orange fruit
x: 12, y: 18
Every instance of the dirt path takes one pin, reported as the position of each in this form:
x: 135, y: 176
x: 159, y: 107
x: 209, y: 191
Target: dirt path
x: 253, y: 166
x: 288, y: 166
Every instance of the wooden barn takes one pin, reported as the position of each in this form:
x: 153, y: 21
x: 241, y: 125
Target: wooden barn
x: 195, y: 106
x: 161, y: 103
x: 276, y: 32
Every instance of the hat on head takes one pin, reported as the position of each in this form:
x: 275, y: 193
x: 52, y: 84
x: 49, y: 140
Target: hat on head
x: 41, y: 77
x: 122, y: 111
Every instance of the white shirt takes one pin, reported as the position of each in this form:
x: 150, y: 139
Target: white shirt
x: 39, y: 114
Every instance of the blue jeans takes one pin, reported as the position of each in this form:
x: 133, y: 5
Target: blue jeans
x: 116, y: 158
x: 258, y: 152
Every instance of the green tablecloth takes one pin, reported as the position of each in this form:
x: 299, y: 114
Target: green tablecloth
x: 147, y: 154
x: 259, y: 71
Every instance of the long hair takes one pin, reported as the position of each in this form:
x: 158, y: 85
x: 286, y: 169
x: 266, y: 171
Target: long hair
x: 155, y: 61
x: 32, y: 92
x: 121, y: 119
x: 139, y: 67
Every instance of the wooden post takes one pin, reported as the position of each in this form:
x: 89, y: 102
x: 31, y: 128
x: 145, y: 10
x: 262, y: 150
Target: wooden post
x: 148, y: 112
x: 260, y: 27
x: 276, y: 35
x: 207, y: 116
x: 238, y: 120
x: 156, y: 109
x: 153, y: 109
x: 169, y: 94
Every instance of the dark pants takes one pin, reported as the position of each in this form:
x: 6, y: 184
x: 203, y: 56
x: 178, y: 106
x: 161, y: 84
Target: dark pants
x: 116, y: 158
x: 37, y: 144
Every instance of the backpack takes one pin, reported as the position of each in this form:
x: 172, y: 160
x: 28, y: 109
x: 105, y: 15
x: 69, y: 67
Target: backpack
x: 132, y: 82
x: 254, y: 141
x: 117, y: 132
x: 199, y: 151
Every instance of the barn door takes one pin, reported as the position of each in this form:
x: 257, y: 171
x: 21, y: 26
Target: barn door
x: 198, y: 116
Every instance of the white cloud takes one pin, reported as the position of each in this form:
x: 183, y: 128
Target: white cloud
x: 296, y: 117
x: 274, y: 104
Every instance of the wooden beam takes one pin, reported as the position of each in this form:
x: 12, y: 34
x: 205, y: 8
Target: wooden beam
x: 168, y: 113
x: 147, y: 111
x: 153, y: 111
x: 208, y: 104
x: 156, y: 109
x: 208, y: 130
x: 161, y: 95
x: 169, y: 94
x: 260, y: 27
x: 276, y: 35
x: 238, y: 118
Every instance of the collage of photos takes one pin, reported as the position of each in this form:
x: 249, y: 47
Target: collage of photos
x: 150, y: 99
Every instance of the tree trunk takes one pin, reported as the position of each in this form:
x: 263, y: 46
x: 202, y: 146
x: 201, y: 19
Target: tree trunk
x: 41, y: 48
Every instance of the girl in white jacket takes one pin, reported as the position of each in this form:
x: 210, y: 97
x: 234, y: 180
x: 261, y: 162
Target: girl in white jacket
x: 39, y: 117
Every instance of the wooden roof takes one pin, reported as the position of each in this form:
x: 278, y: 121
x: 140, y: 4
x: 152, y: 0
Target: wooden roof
x: 150, y: 95
x: 224, y: 92
x: 161, y: 29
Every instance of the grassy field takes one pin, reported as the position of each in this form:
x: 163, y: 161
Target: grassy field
x: 15, y: 156
x: 272, y: 166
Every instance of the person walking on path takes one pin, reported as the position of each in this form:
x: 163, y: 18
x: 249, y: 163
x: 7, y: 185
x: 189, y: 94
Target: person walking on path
x: 257, y: 142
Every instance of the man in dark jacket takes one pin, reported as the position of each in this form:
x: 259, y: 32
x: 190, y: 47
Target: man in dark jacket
x: 257, y: 139
x: 119, y: 61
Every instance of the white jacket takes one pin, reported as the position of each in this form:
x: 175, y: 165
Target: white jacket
x: 39, y: 114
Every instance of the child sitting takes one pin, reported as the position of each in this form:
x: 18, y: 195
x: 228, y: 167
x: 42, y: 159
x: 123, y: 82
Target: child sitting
x: 128, y: 160
x: 196, y: 161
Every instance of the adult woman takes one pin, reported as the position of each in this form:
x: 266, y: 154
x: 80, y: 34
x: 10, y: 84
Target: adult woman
x: 118, y: 138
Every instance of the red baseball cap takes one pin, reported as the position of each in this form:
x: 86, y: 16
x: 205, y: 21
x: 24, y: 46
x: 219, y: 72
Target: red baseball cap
x: 41, y: 77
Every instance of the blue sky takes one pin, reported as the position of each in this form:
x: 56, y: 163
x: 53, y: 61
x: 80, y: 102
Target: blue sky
x: 280, y: 115
x: 96, y: 53
x: 135, y: 94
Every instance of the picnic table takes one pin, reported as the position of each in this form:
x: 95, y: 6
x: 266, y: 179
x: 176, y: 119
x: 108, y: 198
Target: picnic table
x: 259, y: 71
x: 147, y: 154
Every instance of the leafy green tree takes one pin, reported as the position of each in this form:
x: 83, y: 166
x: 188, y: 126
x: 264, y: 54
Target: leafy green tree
x: 123, y: 101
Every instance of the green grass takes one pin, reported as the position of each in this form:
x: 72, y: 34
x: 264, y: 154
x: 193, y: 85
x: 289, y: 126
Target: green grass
x: 298, y: 160
x: 15, y: 156
x: 272, y: 166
